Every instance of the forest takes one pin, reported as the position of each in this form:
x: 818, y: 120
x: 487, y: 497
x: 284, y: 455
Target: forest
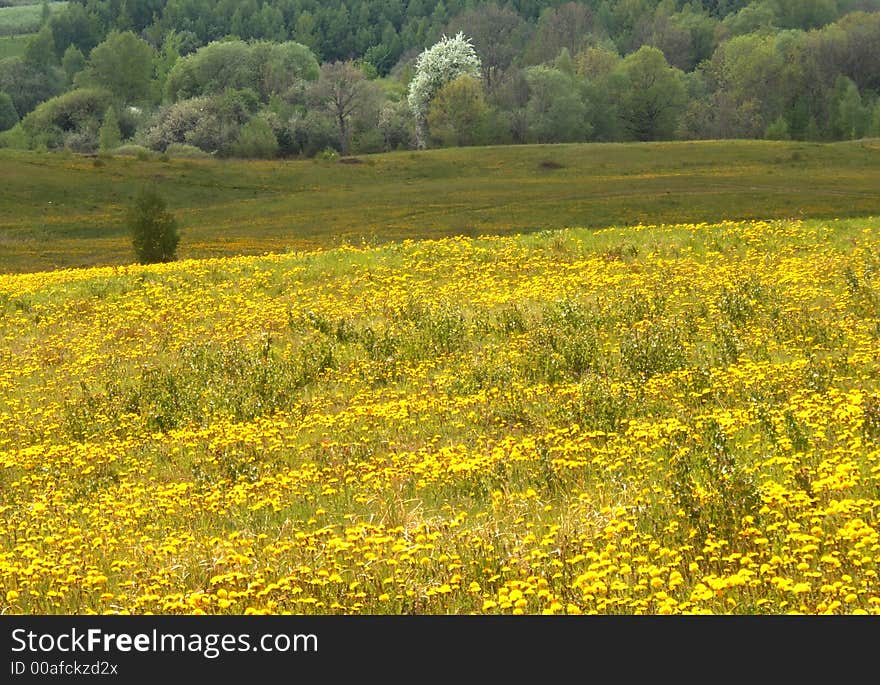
x: 288, y: 78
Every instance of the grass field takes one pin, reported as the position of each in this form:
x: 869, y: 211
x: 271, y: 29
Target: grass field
x: 650, y: 419
x: 13, y: 46
x: 63, y: 210
x: 21, y: 18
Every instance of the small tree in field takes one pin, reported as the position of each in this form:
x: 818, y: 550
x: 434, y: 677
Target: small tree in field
x: 110, y: 136
x: 153, y: 229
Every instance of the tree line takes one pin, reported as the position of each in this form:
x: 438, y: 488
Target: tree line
x: 301, y: 77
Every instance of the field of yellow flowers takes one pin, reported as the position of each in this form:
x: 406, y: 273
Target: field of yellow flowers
x: 656, y: 419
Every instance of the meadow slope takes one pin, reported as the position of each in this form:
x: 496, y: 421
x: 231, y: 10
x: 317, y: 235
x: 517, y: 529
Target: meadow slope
x: 653, y: 419
x: 61, y: 210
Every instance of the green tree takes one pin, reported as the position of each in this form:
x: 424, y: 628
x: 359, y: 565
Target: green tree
x: 566, y: 26
x: 555, y: 112
x: 40, y: 50
x: 72, y: 62
x: 28, y: 85
x: 110, y: 137
x: 123, y: 64
x: 8, y: 114
x: 850, y: 119
x: 458, y: 111
x: 443, y: 62
x: 652, y: 95
x: 343, y: 92
x: 74, y: 26
x: 154, y: 230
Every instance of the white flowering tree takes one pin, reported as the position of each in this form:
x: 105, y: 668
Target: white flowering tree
x: 443, y: 62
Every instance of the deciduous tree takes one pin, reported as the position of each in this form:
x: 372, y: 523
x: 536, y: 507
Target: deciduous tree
x: 443, y: 62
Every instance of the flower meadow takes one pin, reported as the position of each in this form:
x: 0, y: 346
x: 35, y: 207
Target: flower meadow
x: 666, y: 419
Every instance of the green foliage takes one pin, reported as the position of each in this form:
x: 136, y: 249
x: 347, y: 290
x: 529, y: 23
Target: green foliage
x: 652, y: 96
x: 74, y: 25
x: 209, y: 123
x: 110, y: 137
x: 458, y: 113
x: 395, y: 124
x: 777, y: 130
x: 154, y: 231
x: 134, y: 150
x: 184, y: 151
x: 77, y: 114
x: 8, y: 114
x: 269, y: 69
x: 27, y: 84
x: 123, y: 65
x: 692, y: 70
x: 72, y: 62
x: 328, y: 154
x: 345, y: 95
x: 20, y: 18
x: 256, y: 140
x: 40, y: 49
x: 555, y: 112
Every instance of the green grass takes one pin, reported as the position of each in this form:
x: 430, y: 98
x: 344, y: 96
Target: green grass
x: 62, y: 210
x: 13, y: 46
x: 24, y: 18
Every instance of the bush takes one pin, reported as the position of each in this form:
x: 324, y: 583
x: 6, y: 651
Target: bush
x: 153, y: 228
x: 256, y: 140
x: 132, y: 150
x: 81, y: 141
x: 311, y: 134
x: 777, y: 130
x: 182, y: 150
x: 209, y: 123
x: 15, y: 138
x: 78, y: 112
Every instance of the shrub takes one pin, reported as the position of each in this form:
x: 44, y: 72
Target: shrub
x: 153, y: 228
x: 172, y: 124
x: 186, y: 151
x: 84, y: 141
x: 310, y: 134
x: 256, y: 140
x: 209, y: 123
x: 777, y: 130
x: 132, y: 150
x: 328, y: 154
x: 77, y: 112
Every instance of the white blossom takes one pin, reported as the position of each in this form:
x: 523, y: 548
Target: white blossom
x: 443, y: 62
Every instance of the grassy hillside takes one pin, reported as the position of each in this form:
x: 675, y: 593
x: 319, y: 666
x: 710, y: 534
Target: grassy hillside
x: 62, y: 211
x: 24, y: 17
x: 675, y: 419
x: 13, y: 46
